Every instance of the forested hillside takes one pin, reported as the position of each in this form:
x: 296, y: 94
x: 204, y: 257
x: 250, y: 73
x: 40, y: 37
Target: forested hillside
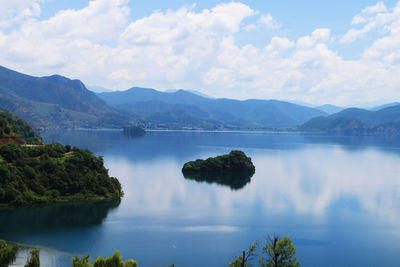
x: 56, y: 101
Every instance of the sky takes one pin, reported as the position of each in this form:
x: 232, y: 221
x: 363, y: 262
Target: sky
x: 345, y: 53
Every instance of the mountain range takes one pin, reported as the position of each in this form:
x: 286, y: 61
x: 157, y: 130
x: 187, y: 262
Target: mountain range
x: 183, y: 109
x: 353, y: 121
x: 57, y: 101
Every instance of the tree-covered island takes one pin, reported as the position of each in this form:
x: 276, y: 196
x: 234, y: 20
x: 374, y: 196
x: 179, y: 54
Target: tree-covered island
x: 32, y: 172
x: 236, y: 162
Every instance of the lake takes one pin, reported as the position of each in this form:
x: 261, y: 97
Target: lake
x: 337, y: 198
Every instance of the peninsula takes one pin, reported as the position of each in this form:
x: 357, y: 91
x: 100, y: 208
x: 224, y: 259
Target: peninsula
x: 32, y: 172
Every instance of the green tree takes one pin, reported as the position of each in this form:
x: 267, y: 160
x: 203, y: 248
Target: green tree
x: 115, y: 260
x: 131, y: 263
x: 34, y: 260
x: 280, y: 252
x: 81, y: 262
x: 8, y: 253
x: 100, y: 262
x: 244, y: 259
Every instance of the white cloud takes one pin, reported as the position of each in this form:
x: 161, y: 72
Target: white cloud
x: 192, y: 49
x: 373, y: 17
x: 269, y: 22
x: 15, y: 11
x: 250, y: 27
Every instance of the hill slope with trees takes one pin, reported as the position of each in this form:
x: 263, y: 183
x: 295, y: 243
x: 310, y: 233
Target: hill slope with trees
x: 38, y: 173
x: 56, y: 101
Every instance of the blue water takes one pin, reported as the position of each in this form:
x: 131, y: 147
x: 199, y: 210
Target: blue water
x: 337, y: 198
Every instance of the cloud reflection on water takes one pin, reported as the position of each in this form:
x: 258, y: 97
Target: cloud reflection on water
x: 314, y: 180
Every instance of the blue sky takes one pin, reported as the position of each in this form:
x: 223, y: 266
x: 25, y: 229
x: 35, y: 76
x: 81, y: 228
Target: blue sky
x: 339, y: 52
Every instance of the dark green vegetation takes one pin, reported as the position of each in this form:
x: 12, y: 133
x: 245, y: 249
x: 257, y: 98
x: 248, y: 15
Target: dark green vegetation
x: 354, y: 121
x: 276, y: 252
x: 52, y: 173
x: 8, y: 253
x: 38, y: 173
x: 112, y: 261
x: 16, y: 130
x: 186, y: 110
x: 56, y: 101
x: 134, y: 131
x: 34, y: 260
x: 236, y: 162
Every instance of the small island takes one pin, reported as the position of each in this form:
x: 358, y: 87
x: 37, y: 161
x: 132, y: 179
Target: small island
x: 32, y: 172
x: 234, y: 170
x: 134, y: 131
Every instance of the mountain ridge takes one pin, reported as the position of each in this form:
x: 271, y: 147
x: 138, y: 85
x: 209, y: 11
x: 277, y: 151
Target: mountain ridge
x: 220, y: 112
x: 56, y: 101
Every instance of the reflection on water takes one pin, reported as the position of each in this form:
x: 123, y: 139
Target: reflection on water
x: 234, y: 181
x: 55, y: 216
x: 331, y: 195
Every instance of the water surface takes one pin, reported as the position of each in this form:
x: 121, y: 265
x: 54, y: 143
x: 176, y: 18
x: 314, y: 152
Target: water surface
x: 337, y: 198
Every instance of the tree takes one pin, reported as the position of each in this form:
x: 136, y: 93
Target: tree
x: 81, y: 262
x: 115, y: 260
x: 131, y: 263
x: 281, y: 253
x: 8, y: 253
x: 34, y: 260
x: 112, y: 261
x: 100, y: 262
x: 244, y: 259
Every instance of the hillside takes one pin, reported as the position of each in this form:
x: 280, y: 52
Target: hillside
x: 56, y: 101
x: 371, y: 118
x: 355, y: 121
x: 40, y: 173
x: 183, y: 109
x: 14, y: 129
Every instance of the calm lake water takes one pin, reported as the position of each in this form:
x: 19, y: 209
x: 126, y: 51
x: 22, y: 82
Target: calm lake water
x: 338, y: 199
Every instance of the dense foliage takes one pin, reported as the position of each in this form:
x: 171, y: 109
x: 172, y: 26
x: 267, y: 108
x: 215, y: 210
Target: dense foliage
x: 134, y: 131
x: 52, y: 173
x: 16, y: 130
x: 236, y: 162
x: 112, y: 261
x: 8, y: 253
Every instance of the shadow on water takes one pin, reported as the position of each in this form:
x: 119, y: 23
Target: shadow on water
x: 233, y: 181
x: 56, y: 216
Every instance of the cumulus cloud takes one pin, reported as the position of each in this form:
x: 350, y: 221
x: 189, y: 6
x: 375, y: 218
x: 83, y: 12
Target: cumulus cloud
x: 372, y: 17
x: 269, y: 22
x: 13, y: 12
x: 197, y: 49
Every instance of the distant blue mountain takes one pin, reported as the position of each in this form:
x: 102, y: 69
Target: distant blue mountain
x: 358, y: 121
x: 56, y: 101
x: 330, y: 109
x: 184, y: 109
x: 384, y: 106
